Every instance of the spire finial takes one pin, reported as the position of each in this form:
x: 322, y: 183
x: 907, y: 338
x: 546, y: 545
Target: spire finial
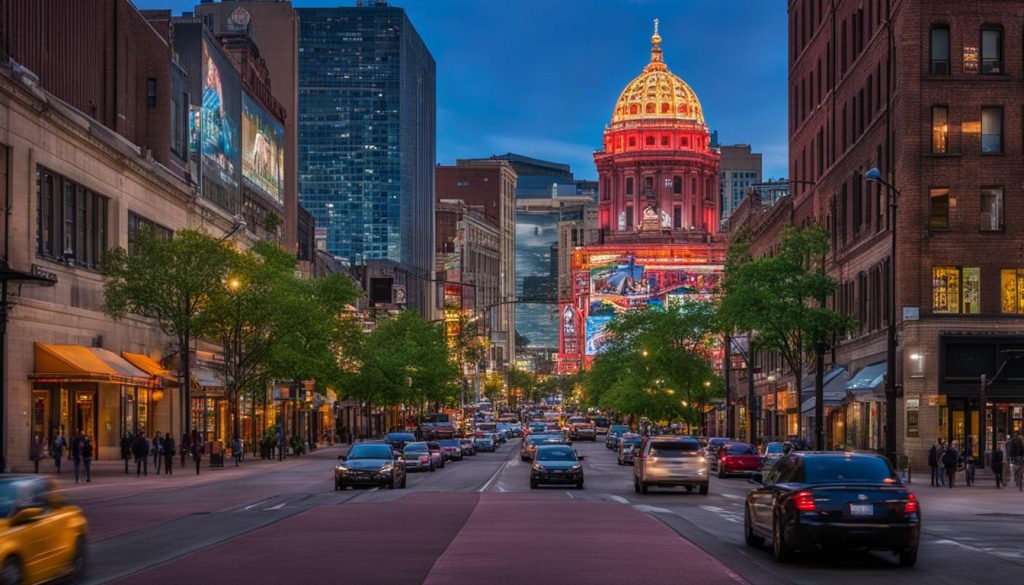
x: 655, y: 27
x: 656, y: 58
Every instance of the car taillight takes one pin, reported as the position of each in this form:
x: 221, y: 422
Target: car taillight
x: 911, y: 506
x: 804, y: 501
x: 425, y: 458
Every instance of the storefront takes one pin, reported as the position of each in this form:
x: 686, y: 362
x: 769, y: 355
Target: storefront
x: 864, y: 408
x: 209, y: 408
x: 84, y: 388
x: 833, y: 392
x: 140, y: 407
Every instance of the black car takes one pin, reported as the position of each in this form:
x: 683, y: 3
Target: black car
x: 369, y: 464
x: 398, y: 441
x: 810, y: 500
x: 556, y: 464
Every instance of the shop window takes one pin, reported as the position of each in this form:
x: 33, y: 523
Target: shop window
x: 940, y: 129
x: 938, y: 218
x: 992, y: 130
x: 991, y: 209
x: 956, y: 289
x: 992, y: 51
x: 939, y: 50
x: 1011, y: 290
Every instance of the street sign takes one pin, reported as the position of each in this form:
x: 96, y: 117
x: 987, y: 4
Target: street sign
x: 911, y: 313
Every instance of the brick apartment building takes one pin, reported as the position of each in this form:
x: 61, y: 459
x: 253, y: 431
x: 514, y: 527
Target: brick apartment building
x: 929, y: 93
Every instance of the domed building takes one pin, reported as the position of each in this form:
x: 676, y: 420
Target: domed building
x: 658, y: 212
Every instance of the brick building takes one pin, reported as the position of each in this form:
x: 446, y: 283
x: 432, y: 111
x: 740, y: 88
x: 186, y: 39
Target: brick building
x: 923, y: 92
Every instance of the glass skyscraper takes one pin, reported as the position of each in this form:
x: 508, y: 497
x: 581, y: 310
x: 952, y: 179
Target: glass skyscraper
x: 367, y: 133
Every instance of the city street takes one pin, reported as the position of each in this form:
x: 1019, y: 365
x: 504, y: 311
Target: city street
x: 477, y: 521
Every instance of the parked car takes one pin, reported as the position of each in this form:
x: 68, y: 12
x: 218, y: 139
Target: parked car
x: 468, y: 448
x: 437, y: 453
x: 628, y: 444
x: 668, y: 461
x: 601, y: 424
x: 370, y: 464
x: 738, y: 458
x: 712, y: 446
x: 556, y: 464
x: 452, y: 449
x: 41, y: 537
x: 486, y: 442
x: 772, y: 453
x: 398, y: 441
x: 820, y: 499
x: 419, y: 458
x: 611, y: 439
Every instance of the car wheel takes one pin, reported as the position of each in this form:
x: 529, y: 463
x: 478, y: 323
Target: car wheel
x: 748, y: 530
x: 704, y: 490
x: 11, y: 573
x: 908, y: 557
x: 78, y: 558
x: 782, y: 552
x: 636, y: 485
x: 579, y: 485
x: 721, y: 472
x: 533, y: 484
x: 643, y: 488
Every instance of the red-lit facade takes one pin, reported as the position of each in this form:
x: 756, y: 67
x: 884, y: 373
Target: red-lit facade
x: 658, y: 211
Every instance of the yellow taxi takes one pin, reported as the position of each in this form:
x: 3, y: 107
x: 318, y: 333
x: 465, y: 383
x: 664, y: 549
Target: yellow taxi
x: 41, y: 537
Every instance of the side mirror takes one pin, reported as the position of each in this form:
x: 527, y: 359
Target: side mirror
x: 27, y: 515
x: 581, y: 457
x: 756, y: 478
x: 342, y: 457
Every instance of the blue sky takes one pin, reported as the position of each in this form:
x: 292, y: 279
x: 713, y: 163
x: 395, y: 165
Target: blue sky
x: 540, y: 77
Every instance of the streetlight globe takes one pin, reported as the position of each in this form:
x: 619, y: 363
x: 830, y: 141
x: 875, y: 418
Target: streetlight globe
x: 644, y: 353
x: 234, y: 284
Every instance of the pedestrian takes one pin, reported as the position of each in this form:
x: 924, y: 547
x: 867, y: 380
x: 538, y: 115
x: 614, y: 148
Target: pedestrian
x: 168, y: 448
x: 236, y: 450
x: 158, y: 451
x: 949, y: 460
x: 942, y: 470
x: 76, y: 453
x: 1014, y: 451
x: 997, y: 466
x: 933, y: 462
x: 59, y: 443
x: 197, y: 454
x: 87, y: 457
x: 140, y: 449
x: 36, y: 451
x: 186, y: 446
x: 126, y: 449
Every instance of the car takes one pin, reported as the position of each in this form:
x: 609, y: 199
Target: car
x: 504, y: 431
x: 468, y: 448
x: 713, y: 445
x: 437, y: 453
x: 452, y: 449
x: 436, y: 426
x: 611, y: 438
x: 581, y: 429
x: 370, y: 464
x: 42, y: 538
x: 628, y: 444
x: 819, y: 499
x: 601, y: 424
x: 556, y: 464
x: 536, y: 427
x: 398, y: 440
x: 485, y: 442
x: 670, y: 461
x: 418, y: 457
x: 737, y: 458
x: 772, y: 453
x: 531, y: 442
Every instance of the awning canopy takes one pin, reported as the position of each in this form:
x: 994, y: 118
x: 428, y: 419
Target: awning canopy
x: 833, y: 392
x: 161, y: 375
x: 866, y: 384
x: 77, y: 363
x: 206, y: 377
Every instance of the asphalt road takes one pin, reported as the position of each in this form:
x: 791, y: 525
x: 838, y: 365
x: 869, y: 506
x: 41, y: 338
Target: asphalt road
x: 477, y: 521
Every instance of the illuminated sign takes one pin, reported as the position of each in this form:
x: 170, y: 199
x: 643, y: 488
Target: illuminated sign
x: 262, y: 150
x: 219, y: 132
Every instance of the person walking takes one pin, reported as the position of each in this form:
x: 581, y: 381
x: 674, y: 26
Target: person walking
x: 168, y: 448
x: 186, y: 446
x: 36, y: 451
x: 126, y: 449
x: 933, y: 462
x: 942, y: 470
x: 197, y: 454
x: 76, y: 453
x: 87, y: 457
x: 950, y: 458
x: 140, y: 449
x: 1014, y: 450
x: 59, y: 443
x: 997, y: 466
x: 157, y: 451
x: 236, y: 450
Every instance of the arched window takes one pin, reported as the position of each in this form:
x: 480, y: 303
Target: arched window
x: 633, y: 109
x: 650, y: 108
x: 666, y: 108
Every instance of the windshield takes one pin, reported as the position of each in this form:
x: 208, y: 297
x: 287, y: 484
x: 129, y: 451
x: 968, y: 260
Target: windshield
x: 415, y: 448
x: 773, y: 448
x: 450, y: 443
x: 556, y: 454
x: 600, y: 421
x: 369, y: 452
x: 8, y: 497
x: 674, y: 448
x: 618, y: 429
x: 631, y: 441
x: 717, y: 442
x: 439, y: 417
x: 740, y: 449
x: 846, y: 469
x: 400, y: 437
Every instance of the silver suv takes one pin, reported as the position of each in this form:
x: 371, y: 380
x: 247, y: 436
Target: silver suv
x: 669, y: 461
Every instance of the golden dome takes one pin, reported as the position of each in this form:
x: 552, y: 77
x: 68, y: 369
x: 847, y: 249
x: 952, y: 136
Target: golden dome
x: 657, y: 94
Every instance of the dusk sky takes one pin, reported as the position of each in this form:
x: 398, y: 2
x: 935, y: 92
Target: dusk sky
x: 540, y: 77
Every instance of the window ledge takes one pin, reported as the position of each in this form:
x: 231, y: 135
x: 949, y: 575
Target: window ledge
x: 993, y: 153
x: 944, y: 154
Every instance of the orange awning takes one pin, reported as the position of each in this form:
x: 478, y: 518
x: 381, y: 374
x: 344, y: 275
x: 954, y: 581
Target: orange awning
x: 161, y: 375
x: 76, y: 363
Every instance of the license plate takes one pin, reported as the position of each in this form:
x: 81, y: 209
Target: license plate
x: 862, y: 509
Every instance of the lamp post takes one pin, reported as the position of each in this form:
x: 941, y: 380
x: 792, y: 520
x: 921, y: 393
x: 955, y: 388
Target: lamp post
x: 875, y: 176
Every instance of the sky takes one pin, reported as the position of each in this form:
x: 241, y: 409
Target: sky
x: 540, y: 77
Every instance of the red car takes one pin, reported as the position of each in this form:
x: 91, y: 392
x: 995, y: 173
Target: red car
x: 738, y: 458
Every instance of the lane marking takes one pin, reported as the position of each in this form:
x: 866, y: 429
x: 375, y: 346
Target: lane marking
x: 501, y: 488
x: 619, y: 499
x: 571, y: 497
x: 500, y: 469
x: 732, y: 496
x: 652, y: 509
x: 259, y: 503
x: 277, y: 507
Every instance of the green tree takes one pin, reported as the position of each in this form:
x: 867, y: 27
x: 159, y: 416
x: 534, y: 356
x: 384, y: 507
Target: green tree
x: 521, y: 383
x: 170, y: 280
x: 781, y: 301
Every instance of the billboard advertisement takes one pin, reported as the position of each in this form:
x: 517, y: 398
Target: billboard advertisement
x: 537, y: 276
x: 219, y: 136
x: 569, y: 330
x: 262, y: 150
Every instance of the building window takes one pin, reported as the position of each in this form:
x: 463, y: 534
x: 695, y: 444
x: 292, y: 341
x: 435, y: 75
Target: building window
x: 939, y: 50
x: 632, y: 141
x: 664, y: 141
x: 938, y: 218
x: 956, y: 289
x: 677, y: 217
x: 648, y: 186
x: 684, y: 142
x: 151, y: 92
x: 629, y: 217
x: 629, y: 185
x: 992, y: 51
x: 991, y: 209
x: 940, y: 129
x: 72, y: 225
x: 1011, y: 290
x: 677, y: 185
x: 137, y: 223
x: 992, y: 130
x: 650, y: 141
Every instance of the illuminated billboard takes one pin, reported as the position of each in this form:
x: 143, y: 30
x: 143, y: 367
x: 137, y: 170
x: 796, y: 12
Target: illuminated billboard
x: 220, y: 114
x: 262, y: 150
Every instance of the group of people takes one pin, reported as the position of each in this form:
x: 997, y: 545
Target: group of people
x: 79, y: 450
x: 945, y: 459
x: 162, y: 449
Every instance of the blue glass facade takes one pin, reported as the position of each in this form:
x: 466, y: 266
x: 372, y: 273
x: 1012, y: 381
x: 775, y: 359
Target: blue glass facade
x: 367, y: 134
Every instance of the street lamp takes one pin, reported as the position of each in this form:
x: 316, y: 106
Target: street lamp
x: 875, y: 176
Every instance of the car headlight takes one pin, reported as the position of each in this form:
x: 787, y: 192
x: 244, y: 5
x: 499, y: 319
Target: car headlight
x: 576, y: 467
x: 538, y: 467
x: 342, y: 468
x: 385, y: 469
